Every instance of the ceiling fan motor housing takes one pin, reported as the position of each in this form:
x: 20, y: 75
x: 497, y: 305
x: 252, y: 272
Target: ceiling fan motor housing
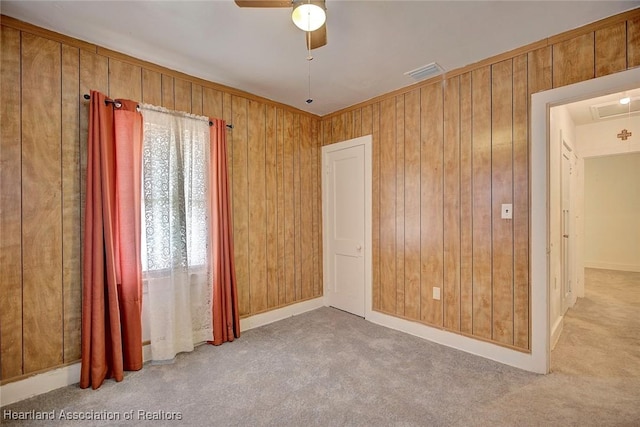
x: 308, y: 15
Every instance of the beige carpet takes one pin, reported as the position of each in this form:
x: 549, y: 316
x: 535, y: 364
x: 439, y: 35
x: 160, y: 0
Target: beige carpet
x: 329, y: 368
x: 601, y: 334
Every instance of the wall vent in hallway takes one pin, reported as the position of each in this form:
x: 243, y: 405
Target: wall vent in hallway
x: 614, y: 109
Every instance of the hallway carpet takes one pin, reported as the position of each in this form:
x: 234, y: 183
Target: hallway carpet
x: 329, y: 368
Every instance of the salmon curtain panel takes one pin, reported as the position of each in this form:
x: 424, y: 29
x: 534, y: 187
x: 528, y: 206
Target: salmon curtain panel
x: 226, y: 320
x: 112, y: 277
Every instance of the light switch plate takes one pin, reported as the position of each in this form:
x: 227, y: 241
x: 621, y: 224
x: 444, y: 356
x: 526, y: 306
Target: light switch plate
x: 436, y: 293
x: 507, y: 211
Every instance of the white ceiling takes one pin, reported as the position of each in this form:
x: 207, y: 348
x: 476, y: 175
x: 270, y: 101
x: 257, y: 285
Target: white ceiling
x: 580, y: 111
x: 371, y: 44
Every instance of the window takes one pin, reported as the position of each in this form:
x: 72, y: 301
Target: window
x: 174, y: 217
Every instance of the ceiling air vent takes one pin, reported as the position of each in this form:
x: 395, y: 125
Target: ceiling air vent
x: 614, y: 109
x: 425, y: 71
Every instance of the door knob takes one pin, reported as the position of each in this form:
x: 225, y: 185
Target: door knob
x: 359, y: 248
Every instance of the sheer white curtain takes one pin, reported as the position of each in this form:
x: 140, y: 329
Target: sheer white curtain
x: 175, y: 231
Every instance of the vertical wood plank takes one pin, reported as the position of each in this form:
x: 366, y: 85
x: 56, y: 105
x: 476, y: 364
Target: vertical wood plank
x: 451, y: 289
x: 316, y: 210
x: 502, y: 192
x: 347, y: 120
x: 257, y: 207
x: 388, y: 206
x: 412, y: 204
x: 367, y: 129
x: 356, y: 120
x: 42, y: 203
x: 366, y: 119
x: 226, y: 113
x: 539, y: 74
x: 611, y: 49
x: 337, y: 129
x: 538, y: 79
x: 151, y: 87
x: 466, y: 207
x: 573, y: 60
x: 633, y: 43
x: 94, y: 74
x: 481, y: 161
x: 241, y: 202
x: 280, y: 166
x: 125, y: 80
x: 71, y: 243
x: 297, y: 208
x: 182, y: 91
x: 212, y: 104
x: 306, y: 244
x: 271, y: 193
x: 289, y: 215
x: 196, y: 99
x: 319, y: 201
x: 326, y: 131
x: 520, y: 204
x: 400, y: 211
x: 10, y: 205
x: 375, y: 214
x: 168, y: 95
x: 431, y: 202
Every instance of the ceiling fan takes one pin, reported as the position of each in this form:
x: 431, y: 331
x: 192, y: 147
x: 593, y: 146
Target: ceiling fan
x: 302, y: 15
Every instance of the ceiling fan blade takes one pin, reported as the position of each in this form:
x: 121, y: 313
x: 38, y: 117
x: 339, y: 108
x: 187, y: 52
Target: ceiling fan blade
x: 263, y: 3
x: 318, y: 37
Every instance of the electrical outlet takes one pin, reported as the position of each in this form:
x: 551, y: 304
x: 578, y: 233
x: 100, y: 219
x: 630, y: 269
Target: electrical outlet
x: 436, y: 293
x: 507, y: 211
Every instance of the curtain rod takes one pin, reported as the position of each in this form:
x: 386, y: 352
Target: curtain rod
x: 106, y: 101
x: 118, y: 105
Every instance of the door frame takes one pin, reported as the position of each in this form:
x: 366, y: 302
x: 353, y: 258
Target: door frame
x: 539, y: 261
x: 367, y: 142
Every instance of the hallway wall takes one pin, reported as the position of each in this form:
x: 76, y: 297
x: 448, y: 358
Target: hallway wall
x: 612, y: 209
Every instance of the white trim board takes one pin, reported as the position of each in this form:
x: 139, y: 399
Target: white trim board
x: 39, y: 384
x: 556, y: 331
x: 262, y: 319
x: 68, y: 375
x: 460, y: 342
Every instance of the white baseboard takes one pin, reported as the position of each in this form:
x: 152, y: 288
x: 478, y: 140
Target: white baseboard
x: 612, y: 266
x: 494, y: 352
x: 556, y: 331
x: 68, y: 375
x: 280, y: 313
x: 39, y: 384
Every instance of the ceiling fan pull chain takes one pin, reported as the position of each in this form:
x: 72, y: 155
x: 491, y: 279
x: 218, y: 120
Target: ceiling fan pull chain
x: 309, y: 58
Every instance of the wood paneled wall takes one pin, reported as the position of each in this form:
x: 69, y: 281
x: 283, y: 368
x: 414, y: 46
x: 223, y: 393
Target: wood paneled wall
x: 447, y: 154
x: 274, y: 174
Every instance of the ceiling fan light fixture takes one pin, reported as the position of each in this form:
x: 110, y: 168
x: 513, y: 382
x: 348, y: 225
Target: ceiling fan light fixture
x: 307, y: 15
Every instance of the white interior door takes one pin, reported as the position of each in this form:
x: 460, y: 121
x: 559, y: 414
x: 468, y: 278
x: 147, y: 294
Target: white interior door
x: 345, y: 217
